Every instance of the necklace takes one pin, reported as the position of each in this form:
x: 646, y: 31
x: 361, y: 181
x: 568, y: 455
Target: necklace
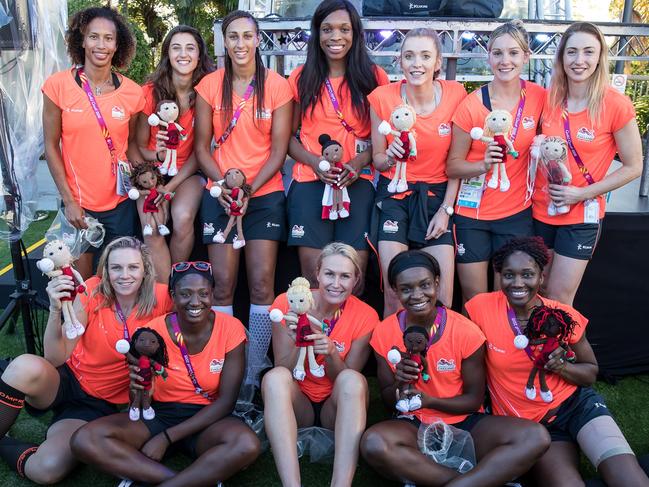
x: 107, y: 82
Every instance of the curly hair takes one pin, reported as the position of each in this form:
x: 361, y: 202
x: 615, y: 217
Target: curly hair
x: 532, y: 246
x: 543, y: 318
x: 144, y: 167
x: 160, y: 356
x: 77, y: 28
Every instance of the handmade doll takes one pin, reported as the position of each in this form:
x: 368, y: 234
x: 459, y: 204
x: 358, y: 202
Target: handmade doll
x: 335, y: 200
x: 57, y: 260
x: 553, y: 152
x: 300, y: 302
x: 403, y: 119
x: 166, y: 114
x: 497, y: 126
x: 147, y: 181
x: 149, y: 352
x: 550, y: 328
x: 415, y: 339
x: 235, y: 186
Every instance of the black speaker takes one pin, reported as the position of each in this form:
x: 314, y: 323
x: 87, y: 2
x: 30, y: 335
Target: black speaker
x: 15, y: 25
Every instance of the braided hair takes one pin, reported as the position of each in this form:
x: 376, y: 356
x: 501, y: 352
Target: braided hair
x: 544, y: 318
x: 160, y: 356
x: 532, y: 246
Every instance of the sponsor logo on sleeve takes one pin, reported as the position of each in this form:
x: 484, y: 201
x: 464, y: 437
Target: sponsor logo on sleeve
x: 216, y: 365
x: 445, y: 365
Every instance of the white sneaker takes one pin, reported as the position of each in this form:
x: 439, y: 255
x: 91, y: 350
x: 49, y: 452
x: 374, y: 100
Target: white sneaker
x: 343, y: 213
x: 163, y: 230
x: 333, y: 215
x: 79, y: 328
x: 547, y: 396
x: 70, y: 331
x: 134, y: 414
x: 530, y: 393
x: 236, y: 243
x: 163, y: 170
x: 299, y: 374
x: 147, y: 230
x: 392, y: 187
x: 125, y: 483
x: 402, y: 186
x: 318, y: 371
x: 148, y: 413
x: 219, y: 237
x: 172, y: 171
x: 402, y: 406
x: 415, y: 403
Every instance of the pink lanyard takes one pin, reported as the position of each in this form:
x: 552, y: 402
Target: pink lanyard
x: 436, y: 330
x: 100, y: 119
x: 122, y: 318
x: 185, y: 354
x: 328, y: 325
x: 334, y: 102
x: 516, y: 328
x: 237, y: 114
x: 566, y: 130
x: 519, y: 111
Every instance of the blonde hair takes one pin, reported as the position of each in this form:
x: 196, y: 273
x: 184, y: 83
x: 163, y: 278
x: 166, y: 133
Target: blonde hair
x: 429, y: 34
x: 516, y: 29
x: 488, y: 132
x: 339, y: 248
x: 146, y: 300
x: 597, y: 83
x: 300, y: 286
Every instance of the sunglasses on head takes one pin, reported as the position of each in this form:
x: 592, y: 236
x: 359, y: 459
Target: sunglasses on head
x: 199, y: 265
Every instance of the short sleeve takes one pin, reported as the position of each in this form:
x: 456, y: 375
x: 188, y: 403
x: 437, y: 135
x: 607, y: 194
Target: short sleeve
x: 472, y: 307
x: 373, y: 99
x: 205, y: 88
x: 292, y: 81
x: 236, y: 333
x: 380, y: 336
x: 147, y: 91
x: 473, y: 338
x: 52, y: 89
x: 623, y: 112
x: 281, y: 91
x: 381, y: 76
x: 463, y: 115
x: 368, y: 319
x: 280, y: 303
x: 141, y: 102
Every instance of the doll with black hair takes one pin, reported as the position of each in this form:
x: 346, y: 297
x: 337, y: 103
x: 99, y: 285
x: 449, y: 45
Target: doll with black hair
x: 236, y: 187
x: 415, y: 339
x: 149, y: 352
x: 148, y: 183
x: 551, y: 328
x: 335, y: 200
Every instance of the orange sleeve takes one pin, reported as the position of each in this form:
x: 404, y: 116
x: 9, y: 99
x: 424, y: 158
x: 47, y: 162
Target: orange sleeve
x: 381, y: 76
x: 374, y: 101
x: 473, y: 307
x: 281, y: 303
x: 368, y: 318
x: 292, y: 81
x: 147, y: 91
x: 280, y: 90
x: 52, y: 89
x: 141, y: 102
x: 381, y: 336
x: 463, y: 116
x: 473, y: 338
x: 236, y: 332
x: 623, y: 112
x: 205, y: 88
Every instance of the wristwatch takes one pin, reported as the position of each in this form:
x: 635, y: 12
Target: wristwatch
x: 448, y: 209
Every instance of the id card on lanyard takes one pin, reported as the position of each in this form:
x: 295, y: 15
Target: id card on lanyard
x: 471, y: 190
x: 591, y: 207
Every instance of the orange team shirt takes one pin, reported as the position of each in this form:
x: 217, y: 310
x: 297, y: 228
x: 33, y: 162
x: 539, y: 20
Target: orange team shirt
x: 324, y: 120
x: 86, y: 158
x: 248, y: 146
x: 509, y: 368
x: 432, y: 132
x: 460, y: 340
x: 228, y: 333
x: 595, y: 144
x: 186, y: 121
x: 99, y: 368
x: 496, y: 204
x: 357, y: 320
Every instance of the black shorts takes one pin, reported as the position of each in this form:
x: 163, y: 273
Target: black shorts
x: 71, y: 402
x: 477, y: 240
x: 467, y: 424
x: 168, y: 414
x: 395, y: 216
x: 265, y: 218
x: 308, y: 229
x: 582, y: 406
x: 121, y: 221
x: 577, y: 241
x: 317, y: 412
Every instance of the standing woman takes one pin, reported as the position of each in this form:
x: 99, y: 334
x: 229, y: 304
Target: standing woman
x: 84, y: 159
x: 184, y: 62
x: 485, y: 217
x: 330, y: 97
x: 597, y: 122
x: 247, y: 109
x: 421, y: 216
x: 337, y: 401
x: 86, y: 378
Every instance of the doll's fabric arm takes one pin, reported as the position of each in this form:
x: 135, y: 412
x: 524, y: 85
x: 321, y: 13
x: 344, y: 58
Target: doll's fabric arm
x: 510, y: 146
x: 78, y: 277
x: 486, y: 139
x: 54, y: 273
x: 413, y: 144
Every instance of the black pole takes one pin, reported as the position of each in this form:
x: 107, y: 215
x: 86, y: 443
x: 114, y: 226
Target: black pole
x: 627, y: 15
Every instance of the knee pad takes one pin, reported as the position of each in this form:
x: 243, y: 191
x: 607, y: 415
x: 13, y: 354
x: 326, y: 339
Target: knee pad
x: 601, y: 438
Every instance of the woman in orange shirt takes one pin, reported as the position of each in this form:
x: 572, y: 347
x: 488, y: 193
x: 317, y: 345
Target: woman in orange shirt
x: 193, y: 407
x: 454, y: 392
x: 330, y: 97
x: 83, y: 162
x: 259, y: 102
x: 597, y: 122
x: 487, y: 217
x: 420, y: 217
x: 85, y: 378
x: 338, y: 400
x: 185, y: 60
x: 573, y: 413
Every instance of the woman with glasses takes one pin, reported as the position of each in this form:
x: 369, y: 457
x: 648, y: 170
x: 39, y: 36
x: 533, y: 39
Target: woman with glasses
x: 86, y: 378
x: 193, y: 407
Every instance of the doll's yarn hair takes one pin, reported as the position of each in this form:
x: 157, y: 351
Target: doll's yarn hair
x: 300, y: 286
x: 160, y: 356
x: 533, y: 246
x: 325, y: 141
x: 543, y: 317
x: 144, y: 167
x: 247, y: 189
x: 416, y: 329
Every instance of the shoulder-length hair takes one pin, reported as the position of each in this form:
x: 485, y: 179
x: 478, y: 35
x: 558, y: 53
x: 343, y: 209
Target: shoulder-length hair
x: 359, y: 69
x: 161, y: 78
x: 598, y: 81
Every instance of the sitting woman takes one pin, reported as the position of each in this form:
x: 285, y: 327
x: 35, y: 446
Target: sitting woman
x: 82, y: 379
x: 573, y: 413
x: 453, y: 391
x: 338, y: 401
x: 192, y: 407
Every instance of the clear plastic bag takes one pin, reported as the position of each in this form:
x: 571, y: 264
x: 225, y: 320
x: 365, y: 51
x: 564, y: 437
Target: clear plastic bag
x: 551, y: 157
x: 447, y: 445
x: 77, y: 240
x: 316, y: 442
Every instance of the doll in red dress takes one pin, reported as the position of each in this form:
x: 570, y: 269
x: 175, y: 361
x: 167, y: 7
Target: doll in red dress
x: 415, y: 339
x: 166, y: 114
x: 148, y: 183
x: 403, y: 120
x: 233, y: 185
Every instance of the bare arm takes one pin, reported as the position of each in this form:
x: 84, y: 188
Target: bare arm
x: 143, y: 134
x: 203, y: 133
x: 456, y: 164
x: 56, y: 347
x: 284, y: 350
x: 133, y: 153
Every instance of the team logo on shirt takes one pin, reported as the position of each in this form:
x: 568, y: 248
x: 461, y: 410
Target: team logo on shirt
x: 587, y: 135
x: 460, y: 249
x: 444, y: 129
x: 390, y: 226
x: 528, y: 123
x: 216, y: 365
x: 208, y: 228
x: 297, y: 231
x: 493, y: 347
x: 265, y: 114
x: 339, y: 346
x: 445, y: 365
x: 118, y: 113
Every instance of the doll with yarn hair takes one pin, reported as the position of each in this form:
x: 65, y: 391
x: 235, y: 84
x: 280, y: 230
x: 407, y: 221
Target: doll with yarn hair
x: 148, y: 183
x: 167, y: 113
x: 235, y: 186
x: 552, y: 153
x: 403, y: 120
x: 335, y: 200
x: 415, y: 339
x: 547, y: 329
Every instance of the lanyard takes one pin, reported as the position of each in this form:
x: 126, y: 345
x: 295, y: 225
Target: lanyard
x: 519, y: 111
x: 185, y: 354
x: 100, y: 119
x: 237, y: 114
x: 566, y: 130
x: 436, y: 330
x: 122, y: 318
x: 328, y: 325
x: 334, y: 102
x: 516, y: 328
